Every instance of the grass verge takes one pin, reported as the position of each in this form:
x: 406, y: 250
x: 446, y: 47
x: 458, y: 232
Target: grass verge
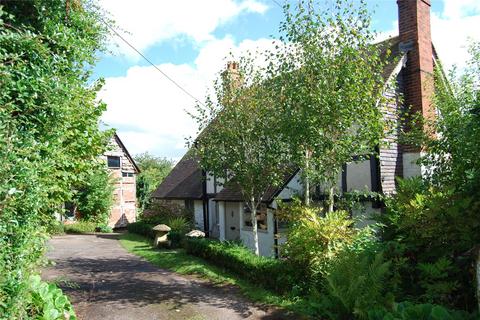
x: 181, y: 262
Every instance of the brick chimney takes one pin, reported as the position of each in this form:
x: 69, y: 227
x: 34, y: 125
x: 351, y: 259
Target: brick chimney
x: 416, y: 39
x: 231, y: 76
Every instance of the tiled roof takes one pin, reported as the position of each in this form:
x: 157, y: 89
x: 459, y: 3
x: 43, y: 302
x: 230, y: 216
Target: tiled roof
x: 183, y: 182
x: 233, y: 193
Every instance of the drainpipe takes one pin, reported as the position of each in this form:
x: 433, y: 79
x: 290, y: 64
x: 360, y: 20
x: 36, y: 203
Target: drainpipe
x: 206, y: 224
x: 275, y: 233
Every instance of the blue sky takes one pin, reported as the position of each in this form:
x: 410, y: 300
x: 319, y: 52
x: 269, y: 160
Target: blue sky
x: 188, y: 40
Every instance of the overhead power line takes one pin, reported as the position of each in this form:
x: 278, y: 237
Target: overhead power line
x: 151, y: 63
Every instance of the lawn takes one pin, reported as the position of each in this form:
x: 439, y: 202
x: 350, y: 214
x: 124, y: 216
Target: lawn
x: 179, y: 261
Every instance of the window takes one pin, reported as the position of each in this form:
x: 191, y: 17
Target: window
x: 113, y: 162
x: 127, y: 174
x: 261, y: 217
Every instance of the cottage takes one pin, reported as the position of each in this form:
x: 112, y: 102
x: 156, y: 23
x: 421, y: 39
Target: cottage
x: 221, y: 213
x: 124, y: 170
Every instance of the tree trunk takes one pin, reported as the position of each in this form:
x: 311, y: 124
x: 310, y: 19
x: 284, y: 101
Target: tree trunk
x: 306, y: 179
x: 254, y: 225
x: 331, y: 199
x: 477, y: 271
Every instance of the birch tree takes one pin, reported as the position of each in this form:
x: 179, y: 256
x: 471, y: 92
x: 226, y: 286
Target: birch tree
x: 238, y: 142
x: 329, y: 83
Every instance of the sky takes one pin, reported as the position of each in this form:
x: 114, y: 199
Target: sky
x: 189, y: 41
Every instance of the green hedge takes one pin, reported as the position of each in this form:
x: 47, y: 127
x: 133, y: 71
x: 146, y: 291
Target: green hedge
x: 267, y: 272
x: 141, y: 228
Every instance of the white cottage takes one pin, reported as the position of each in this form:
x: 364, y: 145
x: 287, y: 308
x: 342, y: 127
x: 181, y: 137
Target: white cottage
x: 221, y: 213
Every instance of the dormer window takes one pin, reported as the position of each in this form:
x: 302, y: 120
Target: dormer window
x: 113, y: 162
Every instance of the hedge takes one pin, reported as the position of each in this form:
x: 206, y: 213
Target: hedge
x: 141, y: 228
x: 269, y: 273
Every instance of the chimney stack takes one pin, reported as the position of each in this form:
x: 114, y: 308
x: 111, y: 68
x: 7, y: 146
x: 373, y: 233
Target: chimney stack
x: 415, y: 37
x: 231, y: 76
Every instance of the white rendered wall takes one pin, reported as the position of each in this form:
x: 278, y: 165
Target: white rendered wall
x: 359, y: 176
x: 265, y: 237
x: 410, y: 167
x: 221, y: 220
x: 198, y: 214
x: 294, y: 187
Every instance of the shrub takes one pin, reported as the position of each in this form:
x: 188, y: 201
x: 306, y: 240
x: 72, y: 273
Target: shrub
x: 431, y: 232
x: 56, y: 228
x: 94, y: 199
x: 103, y: 228
x: 313, y: 240
x: 175, y: 238
x: 270, y: 273
x: 179, y: 224
x: 409, y: 311
x: 48, y: 301
x: 161, y: 211
x: 141, y: 228
x: 80, y: 227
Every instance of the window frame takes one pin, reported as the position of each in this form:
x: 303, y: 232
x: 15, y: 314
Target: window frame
x: 119, y: 162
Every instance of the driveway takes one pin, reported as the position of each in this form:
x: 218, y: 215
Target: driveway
x: 104, y: 281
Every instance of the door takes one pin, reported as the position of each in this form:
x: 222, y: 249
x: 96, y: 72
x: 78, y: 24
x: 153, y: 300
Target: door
x: 232, y: 221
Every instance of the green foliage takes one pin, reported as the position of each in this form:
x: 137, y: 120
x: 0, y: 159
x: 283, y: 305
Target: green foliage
x: 314, y: 240
x: 179, y: 224
x: 428, y: 231
x: 81, y: 227
x: 270, y: 273
x: 238, y: 140
x: 49, y: 133
x: 56, y: 228
x: 356, y: 283
x: 176, y: 238
x: 328, y: 85
x: 94, y: 199
x: 103, y: 228
x: 408, y: 311
x: 48, y: 302
x: 160, y: 212
x: 153, y: 171
x: 142, y: 228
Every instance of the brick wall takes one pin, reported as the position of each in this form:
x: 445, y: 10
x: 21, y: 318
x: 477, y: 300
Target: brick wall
x: 124, y: 209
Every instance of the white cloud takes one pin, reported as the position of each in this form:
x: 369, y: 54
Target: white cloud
x: 451, y: 30
x: 151, y: 112
x: 151, y: 21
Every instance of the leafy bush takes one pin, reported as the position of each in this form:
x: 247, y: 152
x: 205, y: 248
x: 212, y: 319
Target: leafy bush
x: 179, y: 224
x: 175, y: 238
x: 56, y: 228
x: 428, y: 232
x: 81, y: 227
x: 48, y: 301
x: 159, y: 212
x: 270, y: 273
x: 103, y: 228
x: 141, y: 228
x: 356, y: 283
x: 313, y: 240
x: 94, y: 199
x: 410, y: 311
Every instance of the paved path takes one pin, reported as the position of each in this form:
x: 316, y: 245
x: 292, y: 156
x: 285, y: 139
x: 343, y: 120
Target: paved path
x: 104, y: 281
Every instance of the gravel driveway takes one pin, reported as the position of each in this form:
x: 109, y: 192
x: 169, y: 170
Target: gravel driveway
x: 104, y: 281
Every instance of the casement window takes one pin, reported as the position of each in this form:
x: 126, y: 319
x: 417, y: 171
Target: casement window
x: 113, y: 162
x: 127, y: 174
x: 261, y: 217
